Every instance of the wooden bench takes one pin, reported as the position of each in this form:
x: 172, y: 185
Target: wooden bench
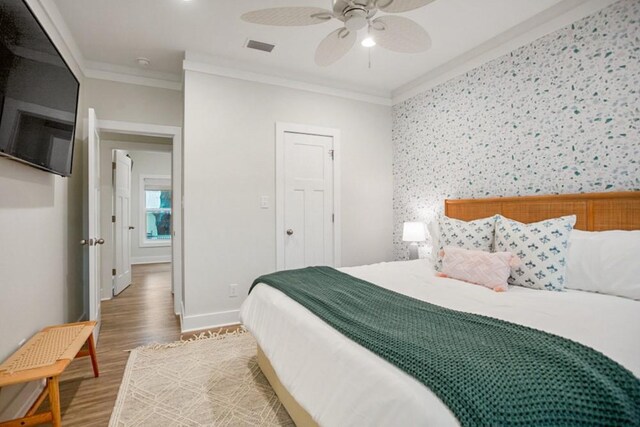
x: 45, y: 356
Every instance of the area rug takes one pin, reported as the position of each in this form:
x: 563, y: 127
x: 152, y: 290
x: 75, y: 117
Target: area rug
x: 210, y: 380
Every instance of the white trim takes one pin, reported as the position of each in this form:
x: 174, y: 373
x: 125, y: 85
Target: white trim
x: 281, y: 129
x: 113, y: 76
x: 181, y: 314
x: 175, y: 133
x: 157, y: 259
x: 215, y: 70
x: 133, y: 128
x: 210, y: 320
x: 556, y: 17
x: 551, y: 19
x: 142, y: 215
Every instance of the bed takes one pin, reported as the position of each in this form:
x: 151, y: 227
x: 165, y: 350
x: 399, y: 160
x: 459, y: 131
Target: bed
x: 323, y: 378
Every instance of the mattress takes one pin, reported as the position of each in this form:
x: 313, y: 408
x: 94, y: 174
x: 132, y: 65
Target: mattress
x: 341, y: 383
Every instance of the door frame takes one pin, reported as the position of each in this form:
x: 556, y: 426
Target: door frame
x: 281, y: 129
x: 175, y: 134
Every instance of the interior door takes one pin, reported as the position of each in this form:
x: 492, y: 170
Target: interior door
x: 308, y: 200
x: 122, y: 224
x: 93, y: 241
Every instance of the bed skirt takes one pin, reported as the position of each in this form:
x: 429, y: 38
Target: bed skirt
x: 297, y: 413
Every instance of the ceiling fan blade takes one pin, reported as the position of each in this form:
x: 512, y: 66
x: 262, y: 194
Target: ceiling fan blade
x: 335, y: 46
x: 288, y: 16
x: 399, y: 6
x: 400, y: 34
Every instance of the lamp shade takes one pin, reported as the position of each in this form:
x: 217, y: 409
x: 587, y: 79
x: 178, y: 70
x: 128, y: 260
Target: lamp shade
x: 414, y: 232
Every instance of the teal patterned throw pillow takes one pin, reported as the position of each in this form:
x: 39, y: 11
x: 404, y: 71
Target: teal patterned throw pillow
x: 474, y: 235
x: 542, y: 248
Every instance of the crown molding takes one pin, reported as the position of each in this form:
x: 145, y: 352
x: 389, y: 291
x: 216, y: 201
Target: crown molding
x: 131, y: 79
x: 562, y: 14
x: 546, y: 22
x: 202, y: 67
x: 131, y: 75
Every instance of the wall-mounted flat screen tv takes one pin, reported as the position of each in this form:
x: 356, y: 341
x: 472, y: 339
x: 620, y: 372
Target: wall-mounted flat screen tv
x: 38, y: 93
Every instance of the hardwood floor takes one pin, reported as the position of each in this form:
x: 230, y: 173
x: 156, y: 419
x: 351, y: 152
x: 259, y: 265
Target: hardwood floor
x: 140, y: 315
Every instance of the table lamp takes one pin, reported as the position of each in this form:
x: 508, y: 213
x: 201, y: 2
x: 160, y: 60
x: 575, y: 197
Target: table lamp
x: 414, y: 232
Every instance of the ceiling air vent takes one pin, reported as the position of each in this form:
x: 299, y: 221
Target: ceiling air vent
x: 265, y: 47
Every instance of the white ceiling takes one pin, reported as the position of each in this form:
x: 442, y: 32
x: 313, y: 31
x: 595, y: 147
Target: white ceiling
x: 113, y: 33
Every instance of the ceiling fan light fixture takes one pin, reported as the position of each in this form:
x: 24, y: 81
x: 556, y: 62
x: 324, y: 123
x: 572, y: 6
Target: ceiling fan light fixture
x: 368, y: 42
x: 356, y: 19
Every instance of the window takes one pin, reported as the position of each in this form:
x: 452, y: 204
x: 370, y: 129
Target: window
x: 157, y: 211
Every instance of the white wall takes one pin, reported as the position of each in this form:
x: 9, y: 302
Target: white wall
x: 132, y: 103
x: 229, y: 158
x: 40, y: 257
x: 131, y: 145
x: 146, y: 163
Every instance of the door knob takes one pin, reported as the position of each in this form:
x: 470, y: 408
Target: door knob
x: 84, y: 242
x: 131, y: 227
x: 99, y: 241
x: 289, y: 232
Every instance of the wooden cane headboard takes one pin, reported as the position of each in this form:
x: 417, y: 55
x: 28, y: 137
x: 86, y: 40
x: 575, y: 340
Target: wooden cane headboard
x: 594, y: 211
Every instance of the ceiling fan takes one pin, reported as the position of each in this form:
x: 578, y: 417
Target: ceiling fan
x: 392, y: 32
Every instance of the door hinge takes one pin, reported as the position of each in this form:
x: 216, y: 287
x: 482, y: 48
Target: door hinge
x: 113, y: 272
x: 113, y: 218
x: 113, y: 165
x: 333, y: 217
x: 332, y: 154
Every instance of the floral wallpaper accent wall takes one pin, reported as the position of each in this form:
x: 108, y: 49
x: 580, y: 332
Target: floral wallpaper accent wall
x: 560, y: 115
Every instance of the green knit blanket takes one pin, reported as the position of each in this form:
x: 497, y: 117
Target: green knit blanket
x: 487, y: 371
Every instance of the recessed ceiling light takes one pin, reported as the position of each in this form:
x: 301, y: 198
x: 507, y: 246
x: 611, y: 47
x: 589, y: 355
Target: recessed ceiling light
x: 142, y: 61
x: 368, y: 42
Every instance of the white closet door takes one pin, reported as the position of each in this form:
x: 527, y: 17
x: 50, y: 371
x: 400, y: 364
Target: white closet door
x: 308, y: 200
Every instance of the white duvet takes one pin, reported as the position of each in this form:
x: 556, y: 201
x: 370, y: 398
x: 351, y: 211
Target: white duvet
x: 343, y: 384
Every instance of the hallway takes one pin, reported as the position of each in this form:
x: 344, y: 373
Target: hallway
x: 140, y: 315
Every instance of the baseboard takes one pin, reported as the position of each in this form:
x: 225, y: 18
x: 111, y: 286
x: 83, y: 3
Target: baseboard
x: 210, y: 320
x: 22, y: 401
x: 182, y: 316
x: 151, y: 259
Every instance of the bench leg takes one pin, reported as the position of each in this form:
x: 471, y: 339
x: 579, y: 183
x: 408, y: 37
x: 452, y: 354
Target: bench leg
x: 54, y: 400
x: 94, y: 358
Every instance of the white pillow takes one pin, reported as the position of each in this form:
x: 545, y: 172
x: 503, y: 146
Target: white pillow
x: 607, y: 262
x: 543, y: 249
x: 473, y: 235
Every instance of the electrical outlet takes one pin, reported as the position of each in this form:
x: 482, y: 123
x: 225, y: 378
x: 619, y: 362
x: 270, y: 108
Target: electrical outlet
x: 233, y: 290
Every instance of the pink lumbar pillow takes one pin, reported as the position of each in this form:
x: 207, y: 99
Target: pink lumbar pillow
x: 482, y: 268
